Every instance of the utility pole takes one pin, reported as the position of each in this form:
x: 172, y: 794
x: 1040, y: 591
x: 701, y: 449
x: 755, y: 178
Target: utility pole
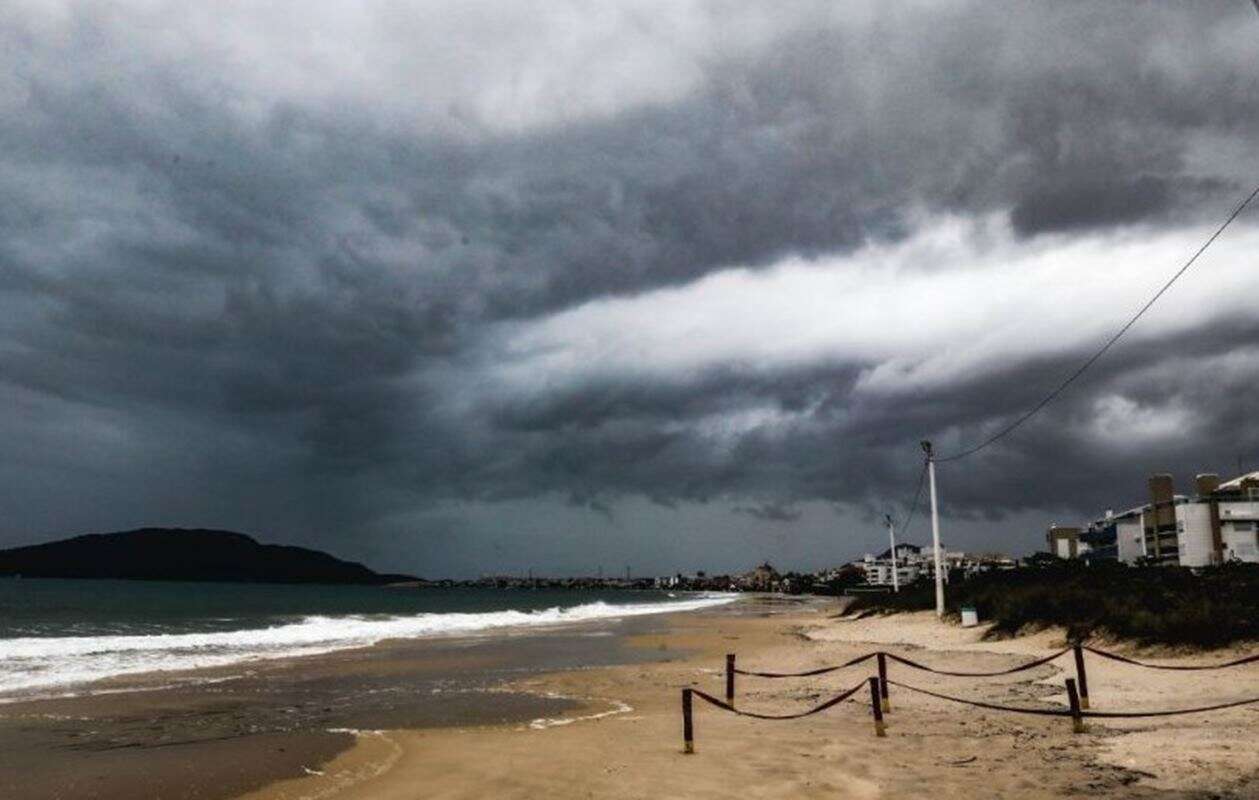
x: 891, y: 534
x: 935, y: 529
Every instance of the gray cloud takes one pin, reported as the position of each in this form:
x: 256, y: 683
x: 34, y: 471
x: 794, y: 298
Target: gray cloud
x: 771, y: 512
x: 232, y: 295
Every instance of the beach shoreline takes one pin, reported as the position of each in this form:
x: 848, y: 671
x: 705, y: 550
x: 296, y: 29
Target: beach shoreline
x: 169, y: 733
x: 605, y: 721
x: 627, y: 737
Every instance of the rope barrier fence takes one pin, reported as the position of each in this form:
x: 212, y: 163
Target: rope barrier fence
x: 1077, y: 690
x: 1063, y: 712
x: 1044, y: 712
x: 1020, y: 668
x: 688, y: 722
x: 806, y: 673
x: 1078, y: 649
x: 834, y: 701
x: 1181, y: 668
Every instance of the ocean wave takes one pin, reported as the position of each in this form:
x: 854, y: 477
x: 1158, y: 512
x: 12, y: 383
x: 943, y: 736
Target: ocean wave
x: 41, y: 663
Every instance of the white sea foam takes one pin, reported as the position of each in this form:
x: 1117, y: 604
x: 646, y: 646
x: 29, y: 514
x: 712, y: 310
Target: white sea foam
x: 618, y: 707
x: 42, y: 663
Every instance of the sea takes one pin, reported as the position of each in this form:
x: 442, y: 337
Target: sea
x: 62, y: 636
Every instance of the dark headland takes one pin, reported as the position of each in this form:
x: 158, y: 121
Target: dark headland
x: 177, y: 554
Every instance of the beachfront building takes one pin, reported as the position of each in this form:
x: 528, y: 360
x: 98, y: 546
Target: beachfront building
x: 1116, y: 536
x: 1099, y: 545
x: 1183, y: 531
x: 1064, y: 541
x: 1237, y: 505
x: 1162, y: 522
x: 1219, y: 523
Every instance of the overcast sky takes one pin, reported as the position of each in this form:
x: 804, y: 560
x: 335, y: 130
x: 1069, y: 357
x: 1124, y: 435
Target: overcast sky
x: 463, y: 287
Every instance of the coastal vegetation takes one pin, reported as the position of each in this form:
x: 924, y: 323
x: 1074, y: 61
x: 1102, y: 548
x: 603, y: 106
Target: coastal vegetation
x: 1174, y: 606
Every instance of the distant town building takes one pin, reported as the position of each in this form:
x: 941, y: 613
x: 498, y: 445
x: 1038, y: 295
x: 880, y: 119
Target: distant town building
x: 987, y: 562
x: 909, y: 566
x: 915, y: 563
x: 762, y: 579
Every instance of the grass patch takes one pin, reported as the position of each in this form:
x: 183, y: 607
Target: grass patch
x: 1148, y: 605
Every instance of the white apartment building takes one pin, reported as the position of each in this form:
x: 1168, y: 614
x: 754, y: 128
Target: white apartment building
x: 1126, y: 530
x: 909, y: 566
x: 1238, y: 504
x: 913, y: 563
x: 1220, y: 523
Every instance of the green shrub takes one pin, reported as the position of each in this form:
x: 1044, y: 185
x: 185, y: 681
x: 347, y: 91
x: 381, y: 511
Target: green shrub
x: 1150, y: 605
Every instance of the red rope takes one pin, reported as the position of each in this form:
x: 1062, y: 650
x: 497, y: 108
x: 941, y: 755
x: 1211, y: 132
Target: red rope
x: 836, y: 700
x: 819, y: 671
x: 1047, y: 712
x: 1062, y: 712
x: 1147, y: 665
x: 1038, y: 662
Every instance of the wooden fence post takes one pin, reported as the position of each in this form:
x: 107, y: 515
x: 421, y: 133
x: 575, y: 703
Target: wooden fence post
x: 1077, y: 721
x: 876, y: 706
x: 1081, y: 676
x: 688, y: 728
x: 730, y: 678
x: 883, y: 698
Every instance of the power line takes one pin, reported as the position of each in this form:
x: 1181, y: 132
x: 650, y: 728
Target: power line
x: 1049, y: 398
x: 909, y: 517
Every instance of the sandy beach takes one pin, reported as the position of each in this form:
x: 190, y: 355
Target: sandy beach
x: 624, y: 739
x: 596, y: 713
x: 216, y: 733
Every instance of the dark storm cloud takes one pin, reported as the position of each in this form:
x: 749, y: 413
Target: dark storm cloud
x: 771, y: 512
x: 291, y: 293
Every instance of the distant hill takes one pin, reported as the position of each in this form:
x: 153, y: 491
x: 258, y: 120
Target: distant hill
x: 178, y: 554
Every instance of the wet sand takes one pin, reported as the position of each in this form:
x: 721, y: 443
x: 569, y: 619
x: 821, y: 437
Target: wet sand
x: 238, y: 729
x: 630, y: 745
